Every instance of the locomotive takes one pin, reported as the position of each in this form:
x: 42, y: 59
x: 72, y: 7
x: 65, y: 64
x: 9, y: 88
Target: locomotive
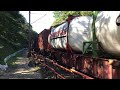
x: 81, y: 36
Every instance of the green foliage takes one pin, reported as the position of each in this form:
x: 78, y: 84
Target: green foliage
x: 60, y: 16
x: 13, y: 32
x: 5, y: 49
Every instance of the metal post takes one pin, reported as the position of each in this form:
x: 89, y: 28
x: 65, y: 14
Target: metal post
x: 94, y: 42
x: 29, y: 33
x: 94, y: 46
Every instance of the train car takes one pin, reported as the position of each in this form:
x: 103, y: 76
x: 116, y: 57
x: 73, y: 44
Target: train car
x: 108, y: 31
x: 67, y: 38
x: 72, y: 34
x: 43, y: 41
x: 68, y: 41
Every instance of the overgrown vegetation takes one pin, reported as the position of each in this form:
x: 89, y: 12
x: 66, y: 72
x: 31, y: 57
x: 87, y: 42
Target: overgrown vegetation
x: 60, y: 16
x: 13, y: 33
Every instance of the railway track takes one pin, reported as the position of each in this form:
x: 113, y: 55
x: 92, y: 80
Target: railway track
x: 59, y: 71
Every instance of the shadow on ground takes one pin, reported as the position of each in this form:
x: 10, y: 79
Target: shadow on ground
x: 21, y: 70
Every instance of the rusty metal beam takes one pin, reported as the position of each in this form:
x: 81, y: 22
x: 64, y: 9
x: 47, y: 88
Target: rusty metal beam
x: 54, y: 71
x: 70, y: 70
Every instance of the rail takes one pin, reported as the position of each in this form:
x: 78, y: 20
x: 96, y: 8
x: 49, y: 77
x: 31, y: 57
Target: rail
x: 70, y: 70
x: 54, y: 71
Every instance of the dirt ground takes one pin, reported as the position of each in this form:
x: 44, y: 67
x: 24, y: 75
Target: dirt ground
x: 22, y: 70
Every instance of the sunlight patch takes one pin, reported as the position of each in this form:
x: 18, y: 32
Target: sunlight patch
x: 1, y: 46
x: 22, y: 71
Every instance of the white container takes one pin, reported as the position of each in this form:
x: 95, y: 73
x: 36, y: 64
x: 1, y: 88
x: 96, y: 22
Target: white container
x: 79, y: 32
x: 107, y: 31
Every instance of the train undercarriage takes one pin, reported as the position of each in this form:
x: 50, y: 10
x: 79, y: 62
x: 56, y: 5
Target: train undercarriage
x: 100, y: 68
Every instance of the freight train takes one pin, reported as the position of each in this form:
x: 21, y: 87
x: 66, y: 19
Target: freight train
x: 80, y: 40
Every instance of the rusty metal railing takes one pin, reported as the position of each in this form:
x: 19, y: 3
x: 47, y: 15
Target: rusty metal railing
x: 54, y: 71
x: 70, y: 70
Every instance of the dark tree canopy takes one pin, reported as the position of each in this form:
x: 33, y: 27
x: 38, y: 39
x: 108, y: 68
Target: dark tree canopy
x: 14, y: 31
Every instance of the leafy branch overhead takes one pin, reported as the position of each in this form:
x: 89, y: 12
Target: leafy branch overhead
x: 60, y: 16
